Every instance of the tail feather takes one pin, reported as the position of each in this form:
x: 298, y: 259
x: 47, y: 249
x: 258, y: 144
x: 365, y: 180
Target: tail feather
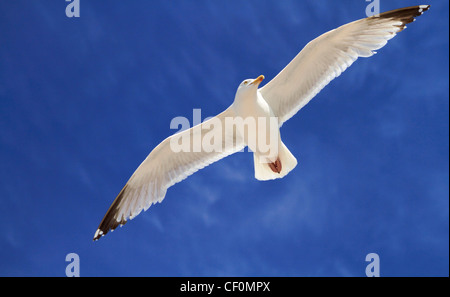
x: 263, y: 170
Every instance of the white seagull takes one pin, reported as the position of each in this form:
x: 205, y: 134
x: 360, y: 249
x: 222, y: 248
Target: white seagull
x: 320, y: 61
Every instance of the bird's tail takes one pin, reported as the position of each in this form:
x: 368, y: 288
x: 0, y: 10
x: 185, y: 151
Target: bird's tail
x: 268, y: 171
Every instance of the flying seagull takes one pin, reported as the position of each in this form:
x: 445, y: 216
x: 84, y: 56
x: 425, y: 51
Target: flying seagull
x: 320, y: 61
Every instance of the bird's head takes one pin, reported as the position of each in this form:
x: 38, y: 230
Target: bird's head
x: 249, y: 86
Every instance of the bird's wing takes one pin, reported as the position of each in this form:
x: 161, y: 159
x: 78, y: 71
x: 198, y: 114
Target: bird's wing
x: 169, y: 163
x: 327, y: 56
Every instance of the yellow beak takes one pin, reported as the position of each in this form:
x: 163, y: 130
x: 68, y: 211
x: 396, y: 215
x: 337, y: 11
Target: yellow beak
x: 258, y: 80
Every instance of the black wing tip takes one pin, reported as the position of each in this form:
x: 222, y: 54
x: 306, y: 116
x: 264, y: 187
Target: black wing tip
x: 405, y: 12
x: 405, y: 15
x: 103, y: 231
x: 109, y: 221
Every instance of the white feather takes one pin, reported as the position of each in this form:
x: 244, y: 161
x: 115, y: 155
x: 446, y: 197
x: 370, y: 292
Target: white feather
x: 324, y: 59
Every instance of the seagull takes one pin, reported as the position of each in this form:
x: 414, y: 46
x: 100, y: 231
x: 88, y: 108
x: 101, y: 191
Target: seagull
x: 319, y: 62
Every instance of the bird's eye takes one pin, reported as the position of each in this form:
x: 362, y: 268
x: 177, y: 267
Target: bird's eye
x: 245, y: 82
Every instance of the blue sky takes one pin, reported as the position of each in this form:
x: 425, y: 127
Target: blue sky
x: 84, y: 100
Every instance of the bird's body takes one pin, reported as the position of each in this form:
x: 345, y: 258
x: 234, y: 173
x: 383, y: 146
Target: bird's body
x: 260, y: 130
x: 266, y: 108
